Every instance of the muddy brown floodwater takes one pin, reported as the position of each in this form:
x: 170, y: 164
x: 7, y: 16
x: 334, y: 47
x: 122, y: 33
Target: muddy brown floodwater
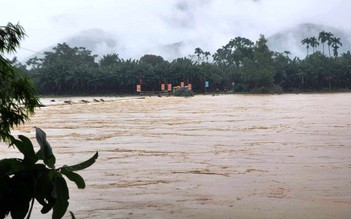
x: 229, y: 156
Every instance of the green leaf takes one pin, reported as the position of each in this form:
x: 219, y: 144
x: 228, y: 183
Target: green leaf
x: 61, y: 203
x: 72, y: 215
x: 83, y: 165
x: 22, y: 193
x: 20, y: 211
x: 50, y: 161
x: 45, y: 148
x: 41, y: 167
x: 44, y: 188
x: 39, y: 155
x: 47, y: 205
x: 25, y: 146
x: 74, y: 177
x: 11, y: 166
x: 5, y: 194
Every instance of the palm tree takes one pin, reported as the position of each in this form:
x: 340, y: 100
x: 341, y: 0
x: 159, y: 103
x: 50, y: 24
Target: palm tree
x: 335, y: 43
x: 198, y: 53
x: 306, y: 41
x: 314, y: 43
x: 323, y: 37
x: 329, y: 36
x: 207, y: 54
x: 287, y: 53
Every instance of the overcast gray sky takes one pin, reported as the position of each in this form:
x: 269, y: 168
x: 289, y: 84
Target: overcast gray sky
x: 141, y: 26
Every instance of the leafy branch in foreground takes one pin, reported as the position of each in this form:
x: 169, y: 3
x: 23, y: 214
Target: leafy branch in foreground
x: 24, y: 180
x: 17, y: 93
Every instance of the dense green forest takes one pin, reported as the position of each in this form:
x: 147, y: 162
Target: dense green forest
x: 242, y: 65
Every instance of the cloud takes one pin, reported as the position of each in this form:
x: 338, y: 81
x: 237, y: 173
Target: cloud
x: 140, y: 26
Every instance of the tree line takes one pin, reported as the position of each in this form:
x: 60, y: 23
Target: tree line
x: 240, y: 66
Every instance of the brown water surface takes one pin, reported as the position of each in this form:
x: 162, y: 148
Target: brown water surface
x: 229, y: 156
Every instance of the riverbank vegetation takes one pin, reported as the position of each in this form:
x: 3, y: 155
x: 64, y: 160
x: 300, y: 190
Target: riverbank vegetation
x: 240, y: 65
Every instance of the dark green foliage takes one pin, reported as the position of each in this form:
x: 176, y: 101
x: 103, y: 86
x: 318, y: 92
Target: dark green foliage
x: 72, y: 215
x: 252, y: 66
x: 183, y: 92
x: 23, y: 180
x: 335, y: 43
x: 82, y: 165
x: 64, y: 68
x: 10, y: 37
x: 152, y: 59
x: 17, y: 93
x: 45, y: 148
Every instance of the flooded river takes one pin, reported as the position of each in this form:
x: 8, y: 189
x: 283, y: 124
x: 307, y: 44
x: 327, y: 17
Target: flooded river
x: 227, y: 156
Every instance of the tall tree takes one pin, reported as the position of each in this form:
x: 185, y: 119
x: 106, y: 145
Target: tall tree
x: 109, y: 59
x: 323, y: 37
x: 306, y: 41
x: 329, y: 36
x: 182, y: 69
x: 234, y: 52
x: 198, y: 52
x: 152, y: 59
x: 287, y: 53
x: 258, y: 73
x: 314, y: 43
x: 207, y: 54
x: 335, y: 43
x: 65, y: 69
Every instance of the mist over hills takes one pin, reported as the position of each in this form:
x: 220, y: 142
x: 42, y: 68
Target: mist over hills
x: 290, y: 39
x: 101, y: 43
x: 96, y: 40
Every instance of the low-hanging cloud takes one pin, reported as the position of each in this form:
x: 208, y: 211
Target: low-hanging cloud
x: 172, y: 28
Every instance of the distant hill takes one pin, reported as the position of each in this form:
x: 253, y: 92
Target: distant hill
x: 96, y: 40
x: 177, y: 50
x: 290, y: 39
x: 101, y: 43
x: 286, y: 40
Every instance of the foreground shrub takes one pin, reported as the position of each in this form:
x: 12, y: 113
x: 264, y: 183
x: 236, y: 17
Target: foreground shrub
x: 184, y: 92
x: 24, y: 180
